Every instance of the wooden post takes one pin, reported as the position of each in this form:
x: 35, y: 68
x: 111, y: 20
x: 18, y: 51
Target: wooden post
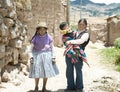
x: 0, y: 76
x: 68, y: 12
x: 80, y: 9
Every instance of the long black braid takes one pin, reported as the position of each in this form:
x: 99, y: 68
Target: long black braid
x: 34, y: 34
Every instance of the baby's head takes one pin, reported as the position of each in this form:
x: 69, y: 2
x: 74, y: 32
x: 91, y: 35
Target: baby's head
x: 64, y: 28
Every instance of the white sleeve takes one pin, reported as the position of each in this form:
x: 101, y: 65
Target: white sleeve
x: 84, y: 38
x: 30, y: 51
x: 53, y: 50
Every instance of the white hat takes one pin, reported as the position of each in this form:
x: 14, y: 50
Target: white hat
x: 42, y: 24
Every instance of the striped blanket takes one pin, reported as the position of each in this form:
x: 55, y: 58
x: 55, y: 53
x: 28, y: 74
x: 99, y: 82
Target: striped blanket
x: 74, y: 51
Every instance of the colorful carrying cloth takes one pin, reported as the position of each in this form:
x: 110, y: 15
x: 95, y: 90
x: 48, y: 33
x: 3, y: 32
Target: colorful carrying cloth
x: 74, y: 51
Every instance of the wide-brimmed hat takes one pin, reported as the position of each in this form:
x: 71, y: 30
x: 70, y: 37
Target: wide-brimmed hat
x: 42, y: 24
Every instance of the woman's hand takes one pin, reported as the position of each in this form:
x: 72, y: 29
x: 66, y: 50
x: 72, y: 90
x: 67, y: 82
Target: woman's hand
x: 68, y: 42
x: 53, y: 60
x: 31, y: 60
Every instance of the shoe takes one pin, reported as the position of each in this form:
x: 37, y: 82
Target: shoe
x: 45, y: 90
x: 69, y: 90
x: 80, y: 90
x: 36, y: 89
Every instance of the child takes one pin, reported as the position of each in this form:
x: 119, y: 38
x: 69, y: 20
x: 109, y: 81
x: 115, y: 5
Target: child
x: 43, y: 61
x: 71, y: 50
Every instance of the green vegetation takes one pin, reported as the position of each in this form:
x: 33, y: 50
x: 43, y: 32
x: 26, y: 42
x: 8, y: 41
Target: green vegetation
x: 112, y: 55
x: 118, y: 67
x: 73, y: 27
x: 117, y: 43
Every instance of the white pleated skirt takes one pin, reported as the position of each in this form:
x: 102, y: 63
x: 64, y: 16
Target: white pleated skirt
x: 42, y: 66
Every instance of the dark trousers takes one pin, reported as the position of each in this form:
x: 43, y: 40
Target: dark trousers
x: 71, y: 82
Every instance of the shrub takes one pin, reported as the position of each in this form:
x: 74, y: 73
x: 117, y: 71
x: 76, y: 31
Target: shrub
x: 117, y: 59
x: 73, y: 27
x: 117, y: 43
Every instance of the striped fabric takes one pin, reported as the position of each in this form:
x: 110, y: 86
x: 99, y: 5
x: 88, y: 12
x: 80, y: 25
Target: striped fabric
x: 74, y: 51
x: 42, y: 66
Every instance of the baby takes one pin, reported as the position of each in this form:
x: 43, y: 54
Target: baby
x: 67, y: 33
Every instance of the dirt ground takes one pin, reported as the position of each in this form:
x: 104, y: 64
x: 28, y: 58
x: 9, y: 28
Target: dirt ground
x: 98, y: 78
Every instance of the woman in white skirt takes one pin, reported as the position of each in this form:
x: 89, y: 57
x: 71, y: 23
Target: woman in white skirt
x: 42, y: 60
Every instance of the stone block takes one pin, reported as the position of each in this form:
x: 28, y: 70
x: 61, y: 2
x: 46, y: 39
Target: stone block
x: 1, y: 19
x: 15, y: 56
x: 8, y: 54
x: 24, y: 54
x: 2, y: 50
x: 8, y: 59
x: 16, y: 43
x: 3, y: 12
x: 0, y: 74
x: 8, y: 4
x: 5, y: 40
x: 14, y: 32
x: 8, y: 22
x: 2, y: 62
x: 3, y: 30
x: 23, y: 32
x: 12, y: 15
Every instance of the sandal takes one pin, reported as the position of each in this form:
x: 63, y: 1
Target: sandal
x: 45, y: 90
x: 36, y: 89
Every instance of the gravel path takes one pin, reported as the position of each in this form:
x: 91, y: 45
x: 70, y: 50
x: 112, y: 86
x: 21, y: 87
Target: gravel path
x: 97, y: 78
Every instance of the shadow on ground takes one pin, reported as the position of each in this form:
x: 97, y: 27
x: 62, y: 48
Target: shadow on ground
x: 59, y: 90
x: 2, y: 87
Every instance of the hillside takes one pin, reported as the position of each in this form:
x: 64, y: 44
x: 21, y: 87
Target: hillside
x: 90, y: 8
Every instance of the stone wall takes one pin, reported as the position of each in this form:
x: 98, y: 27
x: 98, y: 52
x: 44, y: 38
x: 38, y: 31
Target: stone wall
x: 105, y: 32
x: 98, y: 32
x: 113, y: 31
x: 13, y: 31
